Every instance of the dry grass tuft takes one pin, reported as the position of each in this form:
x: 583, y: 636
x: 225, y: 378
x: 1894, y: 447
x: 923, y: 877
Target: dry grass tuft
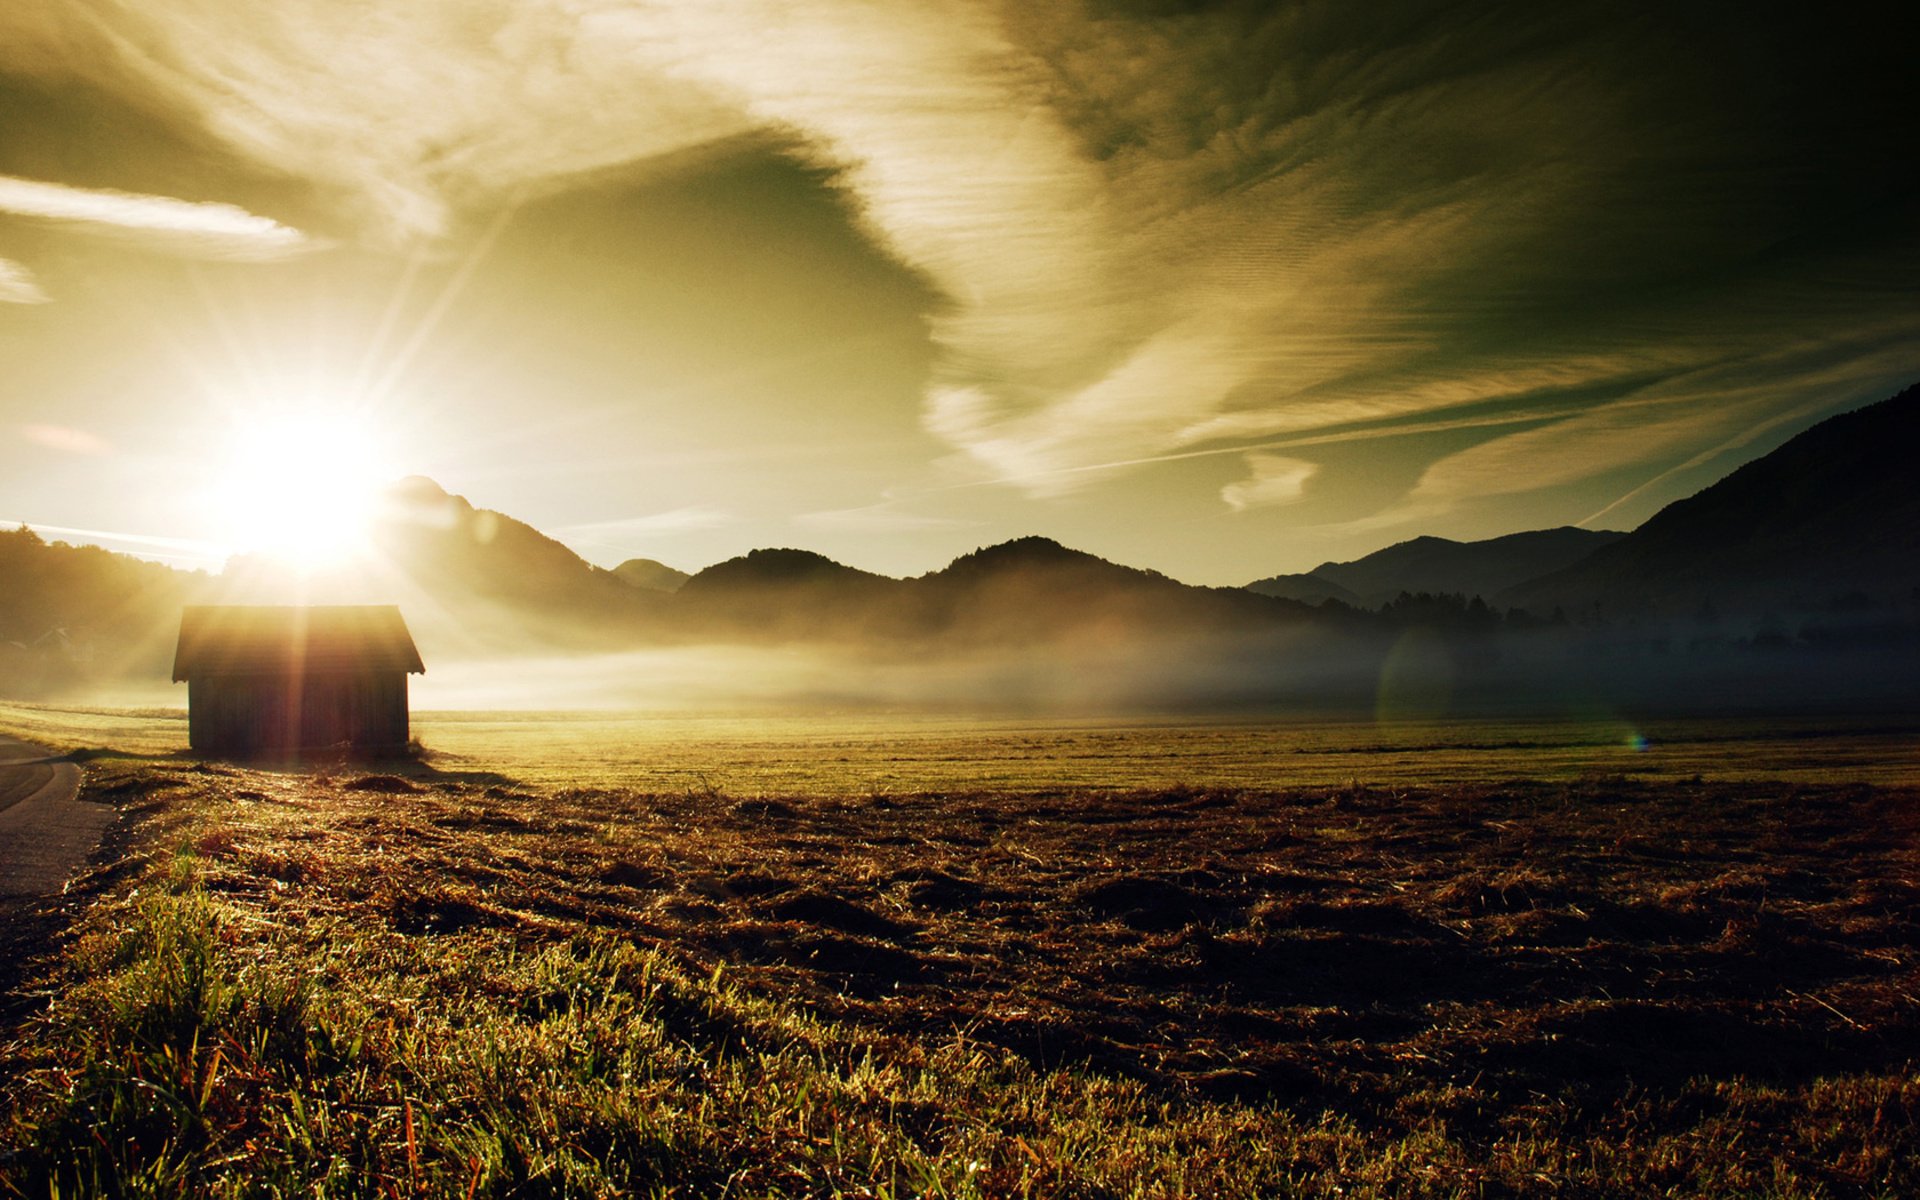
x: 416, y: 984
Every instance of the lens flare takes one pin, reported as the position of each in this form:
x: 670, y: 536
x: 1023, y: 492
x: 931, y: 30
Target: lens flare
x: 301, y: 487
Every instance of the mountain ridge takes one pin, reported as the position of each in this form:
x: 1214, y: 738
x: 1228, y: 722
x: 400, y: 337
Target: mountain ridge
x: 652, y: 575
x: 1485, y: 568
x: 1833, y: 511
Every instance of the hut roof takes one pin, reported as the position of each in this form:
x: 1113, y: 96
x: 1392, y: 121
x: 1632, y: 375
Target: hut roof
x: 273, y: 639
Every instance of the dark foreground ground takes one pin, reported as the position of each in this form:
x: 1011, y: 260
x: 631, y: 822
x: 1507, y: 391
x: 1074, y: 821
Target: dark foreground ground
x: 355, y: 983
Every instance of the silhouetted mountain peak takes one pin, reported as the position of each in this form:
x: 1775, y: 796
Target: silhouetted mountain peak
x: 650, y: 575
x: 1441, y: 565
x: 1415, y: 547
x: 417, y: 487
x: 1035, y: 555
x: 775, y: 567
x: 1033, y: 546
x: 1834, y: 510
x: 1306, y: 589
x: 418, y: 497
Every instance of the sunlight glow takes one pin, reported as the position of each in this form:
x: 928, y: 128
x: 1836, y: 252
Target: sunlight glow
x: 303, y: 486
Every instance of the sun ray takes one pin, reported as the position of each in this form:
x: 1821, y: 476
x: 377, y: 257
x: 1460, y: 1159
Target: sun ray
x: 402, y: 361
x: 390, y: 317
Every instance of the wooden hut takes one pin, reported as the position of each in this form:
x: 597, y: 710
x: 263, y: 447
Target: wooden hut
x: 278, y: 679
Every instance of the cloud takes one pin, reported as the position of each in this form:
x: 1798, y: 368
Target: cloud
x: 678, y: 520
x: 1161, y: 234
x: 1673, y: 425
x: 878, y: 518
x: 160, y: 222
x: 66, y: 440
x: 406, y: 114
x: 17, y: 285
x: 1276, y: 479
x: 185, y: 551
x: 628, y: 536
x: 1448, y: 218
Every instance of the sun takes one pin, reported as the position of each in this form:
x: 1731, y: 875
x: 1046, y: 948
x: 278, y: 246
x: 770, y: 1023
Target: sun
x: 301, y: 487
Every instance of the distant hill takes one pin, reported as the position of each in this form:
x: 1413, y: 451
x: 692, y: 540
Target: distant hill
x: 649, y: 575
x: 1832, y: 516
x: 1307, y: 589
x: 1439, y: 565
x: 783, y: 568
x: 1016, y: 593
x: 469, y: 580
x: 69, y: 613
x: 1034, y: 588
x: 501, y: 579
x: 1828, y: 525
x: 786, y: 594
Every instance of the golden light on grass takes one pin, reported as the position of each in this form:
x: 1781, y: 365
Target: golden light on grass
x: 301, y: 486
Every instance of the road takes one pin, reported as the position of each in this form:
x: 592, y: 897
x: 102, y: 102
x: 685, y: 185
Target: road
x: 46, y: 832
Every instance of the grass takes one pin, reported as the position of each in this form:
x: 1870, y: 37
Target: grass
x: 834, y: 753
x: 347, y: 982
x: 137, y: 732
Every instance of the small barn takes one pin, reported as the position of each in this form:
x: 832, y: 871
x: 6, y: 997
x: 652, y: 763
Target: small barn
x: 279, y: 679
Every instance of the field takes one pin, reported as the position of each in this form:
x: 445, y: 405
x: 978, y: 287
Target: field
x: 940, y: 958
x: 832, y: 753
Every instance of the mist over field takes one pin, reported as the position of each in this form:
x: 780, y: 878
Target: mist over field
x: 1418, y: 674
x: 1790, y: 585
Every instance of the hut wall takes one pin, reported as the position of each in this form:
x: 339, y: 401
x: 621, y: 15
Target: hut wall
x: 250, y: 713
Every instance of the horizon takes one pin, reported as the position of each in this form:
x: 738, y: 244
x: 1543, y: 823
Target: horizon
x: 218, y: 566
x: 1222, y: 293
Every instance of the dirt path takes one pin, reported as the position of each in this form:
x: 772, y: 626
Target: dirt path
x: 46, y: 832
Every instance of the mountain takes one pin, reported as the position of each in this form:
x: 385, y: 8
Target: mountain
x: 784, y: 568
x: 650, y: 576
x: 68, y: 613
x: 1034, y: 588
x: 1307, y: 589
x: 501, y: 580
x: 1439, y: 565
x: 1831, y: 517
x: 786, y: 594
x: 1828, y: 525
x: 469, y: 579
x: 1020, y: 592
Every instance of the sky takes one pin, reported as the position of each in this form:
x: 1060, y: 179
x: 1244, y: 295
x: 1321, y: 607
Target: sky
x: 1224, y: 290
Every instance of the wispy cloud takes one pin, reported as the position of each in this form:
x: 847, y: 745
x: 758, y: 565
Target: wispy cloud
x: 884, y: 517
x: 1364, y: 431
x: 66, y: 439
x: 677, y: 520
x: 1276, y: 479
x: 1670, y: 426
x: 410, y: 114
x: 185, y: 551
x: 180, y: 226
x: 17, y: 285
x: 1157, y: 236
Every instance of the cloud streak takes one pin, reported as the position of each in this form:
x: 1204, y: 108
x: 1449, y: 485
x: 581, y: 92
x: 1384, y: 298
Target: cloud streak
x: 1671, y: 426
x: 884, y: 517
x: 184, y: 551
x: 161, y: 222
x: 1276, y: 479
x: 66, y: 439
x: 678, y: 520
x: 1206, y: 233
x: 17, y: 285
